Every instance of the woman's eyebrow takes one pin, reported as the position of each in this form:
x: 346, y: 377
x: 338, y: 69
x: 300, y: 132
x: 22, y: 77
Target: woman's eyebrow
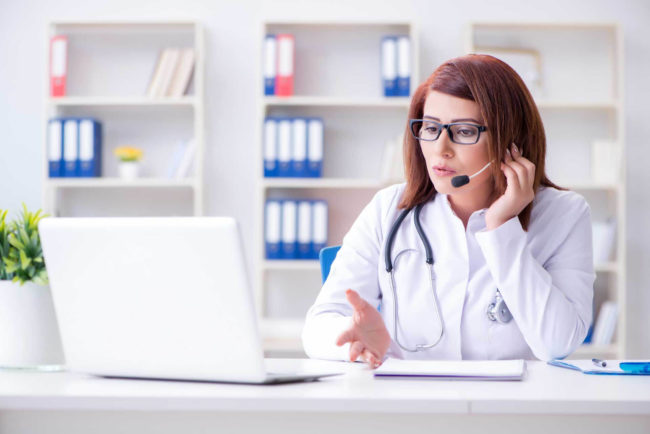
x: 453, y: 120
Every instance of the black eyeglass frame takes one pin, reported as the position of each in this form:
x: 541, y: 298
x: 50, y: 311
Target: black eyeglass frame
x: 481, y: 128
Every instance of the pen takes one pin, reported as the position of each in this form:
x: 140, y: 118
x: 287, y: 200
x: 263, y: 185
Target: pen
x: 599, y: 363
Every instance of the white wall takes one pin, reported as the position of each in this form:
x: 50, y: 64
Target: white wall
x: 231, y: 80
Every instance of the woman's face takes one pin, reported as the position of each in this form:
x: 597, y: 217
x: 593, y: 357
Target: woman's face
x: 461, y: 159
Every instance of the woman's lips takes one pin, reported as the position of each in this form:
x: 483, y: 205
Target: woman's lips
x: 441, y: 172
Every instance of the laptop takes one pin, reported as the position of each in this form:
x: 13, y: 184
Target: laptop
x: 163, y: 298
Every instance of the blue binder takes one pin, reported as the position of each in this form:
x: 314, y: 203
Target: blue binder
x: 90, y: 148
x: 272, y: 228
x: 314, y: 148
x: 55, y: 147
x: 270, y: 147
x: 320, y: 223
x: 305, y: 230
x: 284, y: 147
x: 270, y: 64
x: 389, y: 65
x: 298, y: 168
x: 70, y: 148
x: 403, y: 66
x: 288, y: 242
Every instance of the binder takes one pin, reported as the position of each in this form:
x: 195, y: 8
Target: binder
x: 90, y: 149
x: 315, y: 148
x: 319, y: 234
x: 299, y: 148
x: 182, y: 74
x: 270, y: 64
x: 58, y: 65
x: 284, y: 77
x: 403, y: 66
x: 389, y: 65
x: 305, y: 243
x: 70, y: 148
x: 55, y: 147
x: 272, y: 227
x: 284, y: 147
x: 164, y: 74
x: 289, y: 229
x: 270, y: 147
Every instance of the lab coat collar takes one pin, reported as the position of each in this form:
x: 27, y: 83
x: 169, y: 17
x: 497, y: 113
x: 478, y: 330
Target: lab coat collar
x: 479, y: 214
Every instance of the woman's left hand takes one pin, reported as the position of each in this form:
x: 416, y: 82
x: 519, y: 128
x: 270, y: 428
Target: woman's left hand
x: 520, y: 176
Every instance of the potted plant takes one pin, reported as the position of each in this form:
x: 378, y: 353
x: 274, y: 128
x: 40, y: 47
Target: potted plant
x: 29, y: 334
x: 129, y: 161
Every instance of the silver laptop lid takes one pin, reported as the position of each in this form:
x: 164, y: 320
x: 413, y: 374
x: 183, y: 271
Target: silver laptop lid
x: 153, y: 297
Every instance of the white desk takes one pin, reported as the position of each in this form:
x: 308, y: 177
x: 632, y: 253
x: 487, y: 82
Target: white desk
x: 549, y: 400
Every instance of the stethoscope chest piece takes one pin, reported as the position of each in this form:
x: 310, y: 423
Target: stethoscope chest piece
x: 498, y: 311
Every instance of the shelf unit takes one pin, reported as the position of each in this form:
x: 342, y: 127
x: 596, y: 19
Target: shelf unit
x: 578, y: 108
x: 110, y: 64
x: 357, y: 120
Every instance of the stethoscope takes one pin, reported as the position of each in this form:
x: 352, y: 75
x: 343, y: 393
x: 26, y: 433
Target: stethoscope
x: 497, y: 311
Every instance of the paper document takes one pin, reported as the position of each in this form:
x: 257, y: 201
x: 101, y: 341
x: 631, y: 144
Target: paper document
x: 454, y: 369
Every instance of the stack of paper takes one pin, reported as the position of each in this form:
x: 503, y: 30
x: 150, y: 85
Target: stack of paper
x: 454, y: 369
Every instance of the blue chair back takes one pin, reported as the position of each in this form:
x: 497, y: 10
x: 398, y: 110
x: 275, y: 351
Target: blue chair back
x: 326, y: 257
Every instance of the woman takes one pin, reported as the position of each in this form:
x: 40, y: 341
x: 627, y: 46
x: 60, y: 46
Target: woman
x: 509, y: 235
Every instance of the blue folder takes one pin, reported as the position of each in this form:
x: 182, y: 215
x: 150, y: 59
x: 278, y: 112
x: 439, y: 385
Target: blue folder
x: 614, y: 367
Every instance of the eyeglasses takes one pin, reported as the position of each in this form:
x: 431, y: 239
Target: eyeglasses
x: 459, y: 132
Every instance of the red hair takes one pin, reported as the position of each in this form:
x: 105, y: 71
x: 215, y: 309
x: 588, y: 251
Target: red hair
x: 508, y: 110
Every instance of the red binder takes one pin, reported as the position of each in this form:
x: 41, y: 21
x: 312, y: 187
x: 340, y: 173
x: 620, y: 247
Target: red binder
x: 284, y: 78
x: 58, y: 64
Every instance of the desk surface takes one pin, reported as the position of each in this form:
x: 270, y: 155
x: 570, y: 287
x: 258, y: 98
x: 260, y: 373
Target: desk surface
x: 545, y: 389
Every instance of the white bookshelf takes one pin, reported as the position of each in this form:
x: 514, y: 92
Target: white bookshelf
x: 578, y: 108
x: 337, y: 78
x: 110, y: 64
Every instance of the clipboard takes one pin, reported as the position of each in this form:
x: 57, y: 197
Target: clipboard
x: 506, y: 370
x: 613, y: 367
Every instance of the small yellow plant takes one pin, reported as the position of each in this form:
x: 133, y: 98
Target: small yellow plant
x: 128, y: 153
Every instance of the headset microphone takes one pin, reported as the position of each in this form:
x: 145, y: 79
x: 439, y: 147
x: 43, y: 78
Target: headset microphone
x: 460, y: 180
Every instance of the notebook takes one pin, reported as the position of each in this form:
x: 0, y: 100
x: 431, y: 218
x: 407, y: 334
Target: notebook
x: 588, y: 367
x: 453, y: 369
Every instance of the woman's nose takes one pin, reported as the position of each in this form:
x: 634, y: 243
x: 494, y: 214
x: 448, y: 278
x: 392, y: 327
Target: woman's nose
x: 443, y: 145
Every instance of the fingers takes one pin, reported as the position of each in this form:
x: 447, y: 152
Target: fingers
x: 528, y: 165
x: 346, y: 336
x: 355, y: 350
x: 355, y: 300
x: 370, y: 358
x: 521, y: 169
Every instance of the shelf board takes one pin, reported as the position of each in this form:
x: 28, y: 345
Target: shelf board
x: 117, y: 182
x: 587, y: 351
x: 135, y: 101
x: 350, y: 183
x: 281, y: 328
x: 587, y: 185
x: 583, y: 105
x: 287, y: 264
x: 327, y: 101
x: 607, y: 267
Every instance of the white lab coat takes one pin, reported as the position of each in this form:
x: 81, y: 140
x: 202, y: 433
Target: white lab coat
x: 545, y: 276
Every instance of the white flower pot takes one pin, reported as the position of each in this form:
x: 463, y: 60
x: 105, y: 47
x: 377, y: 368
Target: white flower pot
x: 128, y: 169
x: 29, y: 333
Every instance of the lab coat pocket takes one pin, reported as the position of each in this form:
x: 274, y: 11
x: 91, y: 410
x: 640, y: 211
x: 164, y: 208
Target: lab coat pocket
x: 414, y: 283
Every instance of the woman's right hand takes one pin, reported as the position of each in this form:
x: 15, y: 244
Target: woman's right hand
x: 368, y: 335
